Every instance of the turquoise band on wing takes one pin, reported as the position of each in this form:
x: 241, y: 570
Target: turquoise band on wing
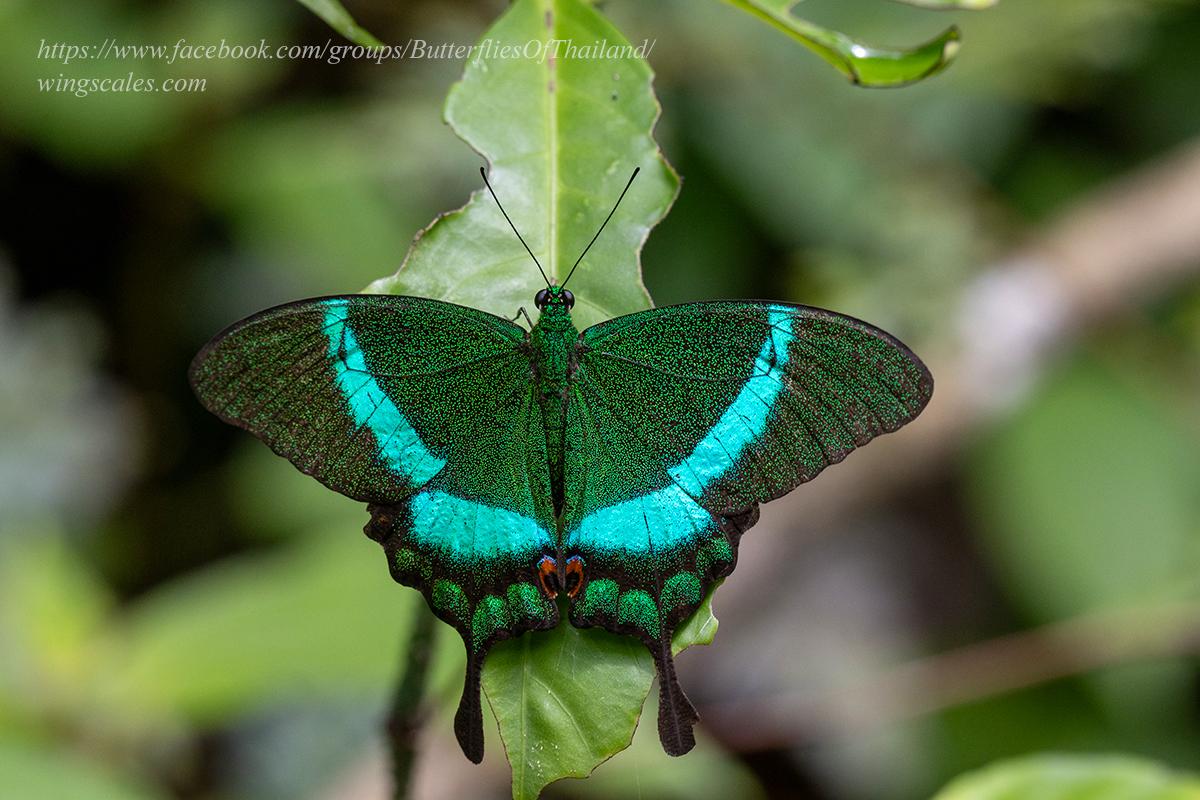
x: 474, y: 533
x: 399, y: 446
x: 745, y: 421
x: 671, y: 516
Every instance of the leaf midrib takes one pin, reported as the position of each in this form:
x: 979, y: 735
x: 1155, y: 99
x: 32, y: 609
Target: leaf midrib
x: 552, y: 208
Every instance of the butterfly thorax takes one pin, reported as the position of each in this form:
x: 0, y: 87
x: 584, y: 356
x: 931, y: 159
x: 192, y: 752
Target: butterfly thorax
x: 552, y: 340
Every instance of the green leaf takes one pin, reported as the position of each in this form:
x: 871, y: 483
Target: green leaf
x: 1055, y: 777
x: 340, y: 20
x: 644, y: 770
x: 863, y: 64
x: 699, y: 628
x: 562, y: 136
x: 568, y: 699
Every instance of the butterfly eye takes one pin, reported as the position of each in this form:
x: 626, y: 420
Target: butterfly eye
x: 547, y: 570
x: 540, y: 299
x: 574, y: 575
x: 568, y: 298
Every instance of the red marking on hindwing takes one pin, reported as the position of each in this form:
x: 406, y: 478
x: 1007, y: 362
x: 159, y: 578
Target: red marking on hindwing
x: 574, y: 577
x: 547, y: 571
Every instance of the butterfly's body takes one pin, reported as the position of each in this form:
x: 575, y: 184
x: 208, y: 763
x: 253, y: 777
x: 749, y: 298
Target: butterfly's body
x: 551, y: 344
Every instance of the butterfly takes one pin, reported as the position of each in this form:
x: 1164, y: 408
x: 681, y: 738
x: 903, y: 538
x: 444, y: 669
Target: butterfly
x: 505, y: 468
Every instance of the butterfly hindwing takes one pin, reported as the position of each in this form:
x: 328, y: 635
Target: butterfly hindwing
x: 426, y: 411
x: 682, y: 420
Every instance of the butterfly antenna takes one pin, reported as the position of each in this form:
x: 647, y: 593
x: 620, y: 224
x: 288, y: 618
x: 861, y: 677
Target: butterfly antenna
x: 636, y: 170
x: 514, y: 227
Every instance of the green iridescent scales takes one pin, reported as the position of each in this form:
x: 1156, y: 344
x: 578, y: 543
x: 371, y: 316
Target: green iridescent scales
x: 636, y: 453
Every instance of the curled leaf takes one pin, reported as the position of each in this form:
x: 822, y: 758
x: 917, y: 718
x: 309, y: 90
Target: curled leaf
x: 864, y: 64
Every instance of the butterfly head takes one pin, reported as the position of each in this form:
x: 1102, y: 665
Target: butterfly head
x: 554, y: 296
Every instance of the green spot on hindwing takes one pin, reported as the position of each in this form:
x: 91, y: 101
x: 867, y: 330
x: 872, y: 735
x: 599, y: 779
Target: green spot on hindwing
x: 406, y: 563
x: 681, y: 589
x: 525, y: 602
x: 600, y: 599
x: 714, y: 555
x: 450, y: 600
x: 491, y: 615
x: 637, y: 608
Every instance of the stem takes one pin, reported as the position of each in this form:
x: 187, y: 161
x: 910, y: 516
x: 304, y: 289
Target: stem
x: 405, y: 716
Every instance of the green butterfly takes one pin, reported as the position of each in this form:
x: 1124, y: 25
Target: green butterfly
x: 504, y: 467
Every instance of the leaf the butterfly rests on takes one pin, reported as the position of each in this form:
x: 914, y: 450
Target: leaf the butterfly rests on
x: 619, y: 466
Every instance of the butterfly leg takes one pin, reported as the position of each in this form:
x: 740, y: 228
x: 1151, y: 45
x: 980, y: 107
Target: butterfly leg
x: 521, y: 312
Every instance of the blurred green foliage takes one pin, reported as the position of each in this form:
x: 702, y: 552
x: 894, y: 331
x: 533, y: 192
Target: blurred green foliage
x: 1104, y: 426
x: 182, y: 615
